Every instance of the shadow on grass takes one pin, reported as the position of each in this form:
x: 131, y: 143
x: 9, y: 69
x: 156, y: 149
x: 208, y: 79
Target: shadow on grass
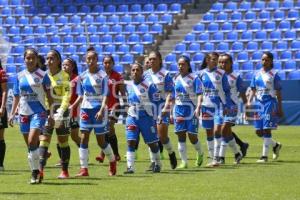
x: 21, y: 193
x: 67, y: 183
x: 187, y: 171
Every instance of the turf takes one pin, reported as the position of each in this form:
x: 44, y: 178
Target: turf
x: 274, y: 180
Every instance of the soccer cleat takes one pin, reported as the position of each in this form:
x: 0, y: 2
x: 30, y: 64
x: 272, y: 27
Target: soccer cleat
x: 262, y: 159
x: 82, y: 172
x: 276, y: 150
x: 173, y: 160
x: 213, y: 163
x: 238, y: 157
x: 221, y: 161
x: 183, y: 165
x: 63, y: 175
x: 100, y: 157
x: 112, y: 168
x: 35, y: 177
x: 118, y: 157
x: 244, y: 149
x: 129, y: 170
x: 156, y: 169
x: 199, y: 160
x: 151, y: 166
x: 40, y: 176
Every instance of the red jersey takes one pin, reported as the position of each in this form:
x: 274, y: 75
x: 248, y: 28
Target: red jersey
x: 3, y: 79
x: 74, y: 95
x: 114, y: 81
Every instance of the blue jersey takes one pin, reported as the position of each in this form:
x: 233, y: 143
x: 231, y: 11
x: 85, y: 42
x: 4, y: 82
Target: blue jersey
x: 266, y: 83
x: 236, y: 85
x: 141, y: 98
x: 30, y: 87
x: 92, y: 87
x: 187, y: 89
x: 163, y: 81
x: 215, y: 87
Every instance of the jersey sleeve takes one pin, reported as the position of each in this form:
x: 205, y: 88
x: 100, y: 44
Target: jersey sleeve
x: 46, y: 82
x: 169, y: 85
x: 240, y: 85
x: 197, y: 86
x: 105, y: 90
x: 79, y: 88
x: 226, y: 88
x: 277, y: 82
x: 253, y: 84
x: 16, y: 88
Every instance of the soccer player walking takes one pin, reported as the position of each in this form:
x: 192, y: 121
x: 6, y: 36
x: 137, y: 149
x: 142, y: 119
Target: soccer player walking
x: 266, y: 87
x: 31, y: 88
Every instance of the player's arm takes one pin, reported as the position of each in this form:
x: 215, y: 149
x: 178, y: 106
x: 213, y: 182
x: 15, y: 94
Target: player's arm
x: 199, y: 92
x: 169, y: 87
x: 15, y: 104
x: 4, y: 93
x: 241, y: 88
x: 277, y: 87
x: 105, y: 92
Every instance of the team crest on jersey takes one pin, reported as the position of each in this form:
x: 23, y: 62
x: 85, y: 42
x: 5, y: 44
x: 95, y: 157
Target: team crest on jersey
x: 189, y: 82
x: 98, y: 80
x: 59, y: 81
x: 36, y: 80
x: 142, y: 90
x: 218, y: 77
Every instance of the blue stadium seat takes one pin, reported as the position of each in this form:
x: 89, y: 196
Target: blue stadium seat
x: 161, y: 8
x: 119, y: 68
x: 104, y: 29
x: 246, y: 36
x: 278, y: 15
x: 62, y: 20
x: 284, y: 25
x: 255, y: 26
x: 231, y: 6
x: 106, y: 39
x: 277, y: 65
x: 54, y: 40
x: 297, y: 56
x: 264, y: 16
x: 70, y: 50
x: 170, y: 58
x: 116, y: 29
x: 275, y: 36
x: 36, y: 20
x: 119, y: 39
x: 250, y: 16
x: 142, y: 28
x: 123, y: 49
x: 198, y: 58
x: 294, y: 75
x: 138, y: 19
x: 221, y: 17
x: 213, y: 27
x: 68, y: 39
x: 71, y: 9
x: 89, y: 19
x: 27, y: 30
x: 222, y: 47
x: 19, y: 60
x: 148, y: 8
x: 231, y: 36
x: 80, y: 39
x: 287, y: 5
x: 180, y: 48
x: 101, y: 19
x: 125, y: 19
x: 173, y: 68
x: 133, y: 39
x: 259, y: 5
x: 45, y: 49
x: 199, y: 28
x: 11, y: 69
x: 175, y: 8
x: 290, y: 65
x: 260, y: 36
x: 281, y: 46
x: 40, y: 30
x: 208, y: 17
x: 122, y: 8
x: 14, y: 31
x: 109, y: 49
x: 6, y: 11
x: 208, y: 47
x: 293, y: 15
x: 152, y: 18
x: 247, y: 66
x: 92, y: 29
x: 16, y: 39
x: 49, y: 20
x: 129, y: 29
x: 267, y: 46
x: 157, y: 29
x: 136, y: 8
x: 241, y: 26
x: 137, y: 49
x: 242, y: 56
x: 45, y: 10
x: 147, y: 39
x: 236, y: 17
x: 227, y: 27
x: 41, y: 40
x: 272, y: 5
x: 256, y: 56
x: 194, y: 48
x: 190, y: 37
x: 82, y: 49
x: 99, y: 49
x: 94, y: 39
x: 290, y: 35
x: 270, y: 26
x: 282, y: 75
x: 22, y: 21
x: 295, y: 45
x: 113, y: 19
x: 244, y: 6
x: 58, y: 9
x: 286, y: 55
x: 10, y: 60
x: 217, y: 37
x: 19, y: 11
x: 252, y: 46
x: 237, y: 47
x: 127, y: 59
x: 78, y: 30
x: 297, y: 25
x: 216, y: 7
x: 84, y: 9
x: 98, y: 9
x: 166, y: 19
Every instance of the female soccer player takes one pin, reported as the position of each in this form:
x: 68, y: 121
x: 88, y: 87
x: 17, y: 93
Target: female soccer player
x: 186, y: 94
x: 266, y: 87
x: 214, y: 99
x: 30, y: 90
x: 60, y: 91
x: 140, y: 118
x: 116, y: 87
x: 70, y: 66
x: 3, y: 114
x: 237, y: 89
x: 164, y: 83
x: 92, y: 89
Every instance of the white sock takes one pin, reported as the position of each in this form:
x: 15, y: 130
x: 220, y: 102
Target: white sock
x: 210, y: 147
x: 156, y: 157
x: 223, y: 148
x: 83, y: 157
x: 217, y: 144
x: 233, y: 146
x: 182, y: 151
x: 130, y: 159
x: 33, y: 159
x: 168, y: 147
x: 151, y: 155
x: 266, y: 145
x: 198, y: 148
x: 109, y: 153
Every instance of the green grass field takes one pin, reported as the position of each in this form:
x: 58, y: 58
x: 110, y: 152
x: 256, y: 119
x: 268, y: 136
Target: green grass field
x: 274, y: 180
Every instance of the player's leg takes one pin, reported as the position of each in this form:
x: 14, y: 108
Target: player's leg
x: 33, y: 155
x: 3, y: 126
x: 208, y: 125
x: 193, y: 136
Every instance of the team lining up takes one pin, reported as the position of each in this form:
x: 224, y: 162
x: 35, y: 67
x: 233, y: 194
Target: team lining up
x: 47, y: 102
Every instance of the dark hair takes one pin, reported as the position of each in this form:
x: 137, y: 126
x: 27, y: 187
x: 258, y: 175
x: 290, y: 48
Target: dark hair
x: 41, y: 63
x: 158, y: 54
x: 74, y: 63
x: 187, y: 60
x: 35, y: 53
x: 110, y: 57
x: 0, y: 64
x: 204, y: 63
x: 56, y: 52
x: 271, y: 56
